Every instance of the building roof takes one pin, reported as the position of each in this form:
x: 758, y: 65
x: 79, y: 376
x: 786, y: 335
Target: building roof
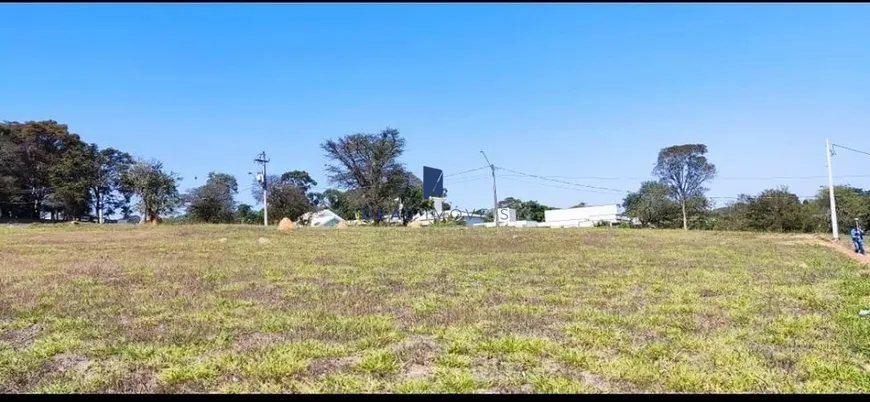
x: 322, y: 218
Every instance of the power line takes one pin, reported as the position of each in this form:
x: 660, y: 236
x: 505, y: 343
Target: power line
x: 714, y: 179
x: 467, y: 171
x: 510, y: 178
x: 564, y: 182
x: 753, y: 197
x: 467, y: 179
x: 850, y: 149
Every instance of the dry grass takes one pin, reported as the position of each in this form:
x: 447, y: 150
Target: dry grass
x: 175, y: 309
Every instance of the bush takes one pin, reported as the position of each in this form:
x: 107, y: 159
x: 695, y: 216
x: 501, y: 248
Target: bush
x: 448, y: 220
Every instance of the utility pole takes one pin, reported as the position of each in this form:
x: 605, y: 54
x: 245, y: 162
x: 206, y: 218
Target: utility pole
x: 834, y: 229
x: 261, y: 159
x: 494, y: 196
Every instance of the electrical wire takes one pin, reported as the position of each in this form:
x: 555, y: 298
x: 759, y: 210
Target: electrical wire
x: 850, y: 149
x: 467, y: 171
x: 562, y: 181
x: 555, y: 186
x: 716, y: 178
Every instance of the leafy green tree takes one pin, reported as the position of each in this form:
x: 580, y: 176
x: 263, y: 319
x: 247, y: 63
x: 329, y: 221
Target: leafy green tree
x: 342, y: 203
x: 651, y: 205
x: 157, y: 190
x: 300, y: 179
x: 72, y: 172
x: 526, y: 210
x: 39, y: 158
x: 106, y: 187
x: 511, y: 202
x: 287, y: 201
x: 685, y: 169
x: 532, y: 211
x: 213, y: 202
x: 289, y: 195
x: 734, y: 215
x: 246, y: 215
x: 852, y: 203
x: 776, y: 210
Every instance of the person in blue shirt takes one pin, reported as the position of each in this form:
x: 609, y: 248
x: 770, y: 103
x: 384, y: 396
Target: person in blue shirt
x: 858, y: 239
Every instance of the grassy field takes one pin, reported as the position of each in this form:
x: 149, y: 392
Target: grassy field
x: 211, y: 309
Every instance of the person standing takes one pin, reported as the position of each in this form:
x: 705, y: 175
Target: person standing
x: 858, y: 238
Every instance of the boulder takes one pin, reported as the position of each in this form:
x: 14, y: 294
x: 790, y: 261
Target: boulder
x: 415, y: 225
x: 263, y: 240
x: 286, y: 225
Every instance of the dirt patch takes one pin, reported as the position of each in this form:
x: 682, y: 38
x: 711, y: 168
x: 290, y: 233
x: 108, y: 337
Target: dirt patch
x: 256, y: 340
x: 416, y: 354
x: 417, y: 350
x: 66, y: 362
x: 499, y: 390
x: 137, y: 380
x: 493, y: 370
x: 323, y: 367
x: 20, y: 338
x: 417, y: 371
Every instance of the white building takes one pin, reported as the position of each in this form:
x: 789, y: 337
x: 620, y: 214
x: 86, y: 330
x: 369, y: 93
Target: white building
x: 584, y: 216
x: 324, y: 218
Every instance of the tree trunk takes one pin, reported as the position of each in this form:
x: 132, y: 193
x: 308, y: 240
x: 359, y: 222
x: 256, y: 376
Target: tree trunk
x: 685, y: 221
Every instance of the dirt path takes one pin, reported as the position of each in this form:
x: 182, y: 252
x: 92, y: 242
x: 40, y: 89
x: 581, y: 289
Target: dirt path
x: 845, y: 249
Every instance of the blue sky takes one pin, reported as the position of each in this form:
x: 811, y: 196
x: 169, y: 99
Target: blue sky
x: 571, y: 90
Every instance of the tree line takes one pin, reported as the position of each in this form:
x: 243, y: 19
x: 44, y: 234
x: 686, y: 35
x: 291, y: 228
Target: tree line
x: 45, y: 170
x: 48, y: 172
x: 678, y: 199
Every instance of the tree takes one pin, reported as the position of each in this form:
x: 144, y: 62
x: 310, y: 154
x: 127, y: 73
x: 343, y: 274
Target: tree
x: 287, y: 201
x: 411, y: 197
x: 776, y: 210
x: 257, y: 187
x: 526, y: 210
x: 580, y: 205
x: 370, y: 164
x: 685, y: 169
x: 852, y: 203
x: 71, y: 175
x: 340, y: 202
x: 511, y: 202
x: 300, y: 179
x: 245, y: 215
x: 532, y: 211
x: 36, y: 158
x: 156, y: 189
x: 106, y: 187
x: 289, y: 195
x: 213, y: 202
x: 734, y: 215
x: 651, y: 204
